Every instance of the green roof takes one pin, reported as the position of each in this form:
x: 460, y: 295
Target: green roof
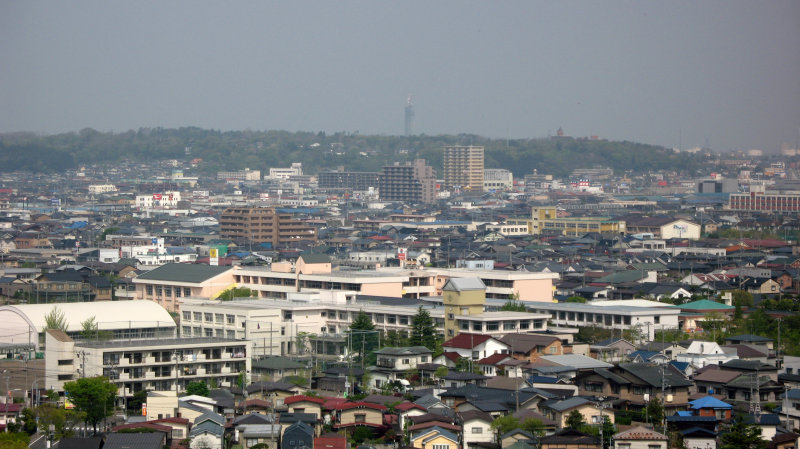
x: 277, y: 362
x: 705, y: 304
x: 184, y: 272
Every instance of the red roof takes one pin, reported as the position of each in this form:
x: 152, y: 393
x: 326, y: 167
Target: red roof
x: 406, y: 406
x: 330, y: 442
x: 303, y: 398
x: 356, y: 424
x: 453, y: 356
x: 465, y: 340
x: 173, y: 420
x: 333, y: 403
x: 493, y: 359
x: 360, y: 404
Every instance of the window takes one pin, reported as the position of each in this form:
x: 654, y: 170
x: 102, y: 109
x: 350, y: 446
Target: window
x: 209, y: 332
x: 218, y: 317
x: 159, y: 291
x: 187, y: 291
x: 187, y: 315
x: 230, y: 319
x: 198, y: 316
x: 177, y: 292
x: 360, y: 417
x: 168, y: 291
x: 209, y: 317
x: 477, y: 430
x: 149, y: 290
x: 441, y: 446
x: 186, y: 331
x: 287, y: 314
x: 702, y: 388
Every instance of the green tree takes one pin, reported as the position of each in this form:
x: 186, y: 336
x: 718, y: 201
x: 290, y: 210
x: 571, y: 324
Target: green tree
x: 135, y: 402
x: 362, y: 340
x: 55, y: 320
x: 575, y: 420
x: 580, y: 299
x: 63, y: 421
x: 533, y: 426
x: 14, y: 440
x: 197, y: 388
x: 655, y: 410
x: 28, y: 418
x: 742, y: 436
x: 423, y: 330
x: 504, y: 424
x: 93, y: 396
x: 441, y: 372
x: 513, y: 305
x: 235, y: 292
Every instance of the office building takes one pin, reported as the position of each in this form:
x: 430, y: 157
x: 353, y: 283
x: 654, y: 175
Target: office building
x: 497, y: 179
x: 241, y: 175
x: 463, y: 168
x: 348, y: 180
x: 262, y: 224
x: 764, y: 202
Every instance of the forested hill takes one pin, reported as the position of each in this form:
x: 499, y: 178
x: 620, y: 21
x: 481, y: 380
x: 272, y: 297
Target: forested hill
x: 318, y: 151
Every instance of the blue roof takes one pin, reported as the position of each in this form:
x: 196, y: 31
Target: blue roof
x: 680, y: 365
x: 709, y: 402
x: 646, y: 355
x: 684, y: 413
x: 543, y: 379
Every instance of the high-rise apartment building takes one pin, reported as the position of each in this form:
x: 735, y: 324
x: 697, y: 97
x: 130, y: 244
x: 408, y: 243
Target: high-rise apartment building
x: 348, y: 180
x: 463, y: 167
x: 410, y: 182
x: 262, y: 224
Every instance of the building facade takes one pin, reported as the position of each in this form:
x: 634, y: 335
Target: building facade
x: 411, y: 182
x: 263, y: 224
x: 463, y: 167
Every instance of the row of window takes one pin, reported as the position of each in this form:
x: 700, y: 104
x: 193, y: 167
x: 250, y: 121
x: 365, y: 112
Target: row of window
x: 167, y: 291
x: 208, y: 317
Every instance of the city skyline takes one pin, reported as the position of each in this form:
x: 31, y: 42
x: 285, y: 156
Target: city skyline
x: 678, y: 74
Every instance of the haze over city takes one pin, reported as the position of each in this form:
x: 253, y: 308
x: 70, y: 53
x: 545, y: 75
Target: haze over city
x: 669, y: 73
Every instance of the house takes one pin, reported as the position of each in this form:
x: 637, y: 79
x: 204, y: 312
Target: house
x: 647, y: 357
x: 458, y: 379
x: 207, y: 431
x: 331, y: 441
x: 792, y: 411
x: 711, y: 406
x: 513, y: 438
x: 474, y: 346
x: 531, y: 346
x: 611, y: 350
x: 435, y: 438
x: 305, y: 404
x: 640, y: 438
x: 699, y: 438
x: 275, y: 368
x: 250, y: 435
x: 491, y: 366
x: 299, y: 435
x: 476, y: 427
x: 702, y: 353
x: 356, y: 414
x: 559, y: 409
x: 570, y: 439
x: 277, y: 391
x: 750, y: 340
x: 392, y: 364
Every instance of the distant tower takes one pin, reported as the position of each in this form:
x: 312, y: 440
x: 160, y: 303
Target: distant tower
x: 409, y: 116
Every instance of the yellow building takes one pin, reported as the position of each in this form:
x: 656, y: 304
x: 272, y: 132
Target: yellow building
x: 461, y: 296
x: 546, y: 218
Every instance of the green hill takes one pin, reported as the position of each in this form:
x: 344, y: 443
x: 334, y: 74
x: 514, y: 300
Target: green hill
x: 319, y: 151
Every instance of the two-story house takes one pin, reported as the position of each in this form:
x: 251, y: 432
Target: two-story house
x: 396, y: 363
x: 532, y: 346
x: 474, y: 346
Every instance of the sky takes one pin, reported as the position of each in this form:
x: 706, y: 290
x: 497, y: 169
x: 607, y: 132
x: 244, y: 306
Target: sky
x: 674, y: 73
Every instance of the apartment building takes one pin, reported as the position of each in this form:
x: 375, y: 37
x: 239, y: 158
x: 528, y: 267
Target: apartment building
x: 263, y: 225
x: 240, y: 175
x: 497, y: 179
x: 156, y: 364
x: 546, y: 218
x: 463, y: 167
x: 410, y: 183
x: 347, y: 180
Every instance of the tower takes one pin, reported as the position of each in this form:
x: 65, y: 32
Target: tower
x: 409, y: 117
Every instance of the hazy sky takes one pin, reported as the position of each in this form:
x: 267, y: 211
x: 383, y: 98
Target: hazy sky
x: 648, y: 71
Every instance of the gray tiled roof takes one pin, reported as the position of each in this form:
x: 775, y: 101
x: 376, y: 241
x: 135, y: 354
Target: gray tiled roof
x: 184, y: 272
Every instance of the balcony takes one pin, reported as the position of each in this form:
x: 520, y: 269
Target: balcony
x: 386, y: 363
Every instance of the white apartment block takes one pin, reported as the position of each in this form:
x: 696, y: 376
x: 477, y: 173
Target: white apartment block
x: 285, y: 173
x: 157, y: 364
x: 497, y: 179
x: 166, y: 200
x: 241, y: 175
x: 96, y: 189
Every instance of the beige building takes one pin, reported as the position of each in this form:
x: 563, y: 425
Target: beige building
x: 168, y: 284
x: 463, y: 167
x: 263, y: 224
x: 545, y: 218
x: 462, y: 297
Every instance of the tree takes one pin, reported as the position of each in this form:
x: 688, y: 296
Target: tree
x: 655, y: 410
x: 533, y: 426
x: 743, y: 436
x: 503, y: 424
x: 580, y: 299
x: 63, y: 421
x: 55, y: 320
x: 574, y: 420
x: 14, y: 440
x: 513, y: 305
x: 423, y: 331
x: 235, y: 292
x: 441, y: 372
x: 360, y: 340
x: 197, y: 388
x: 94, y: 396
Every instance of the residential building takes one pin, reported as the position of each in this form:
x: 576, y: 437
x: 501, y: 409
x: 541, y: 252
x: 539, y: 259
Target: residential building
x: 240, y: 175
x: 662, y: 227
x: 263, y: 225
x: 702, y: 353
x: 160, y: 364
x: 463, y: 167
x: 393, y: 363
x: 409, y: 183
x: 349, y: 181
x: 462, y: 297
x: 299, y: 435
x: 640, y: 437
